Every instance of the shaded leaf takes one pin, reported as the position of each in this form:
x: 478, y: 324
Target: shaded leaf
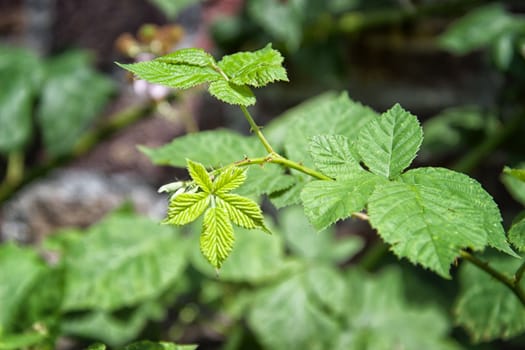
x: 172, y: 8
x: 266, y: 179
x: 326, y: 202
x: 388, y: 144
x: 511, y: 180
x: 433, y: 214
x: 517, y: 233
x: 73, y: 95
x: 216, y: 240
x: 304, y: 241
x: 256, y: 68
x: 232, y: 93
x: 486, y: 308
x: 288, y: 196
x: 186, y: 207
x: 122, y: 261
x: 466, y: 35
x: 215, y: 148
x: 188, y: 56
x: 19, y: 269
x: 149, y: 345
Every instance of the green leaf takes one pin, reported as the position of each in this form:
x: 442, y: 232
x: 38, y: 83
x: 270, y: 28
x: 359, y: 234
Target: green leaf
x: 227, y: 147
x: 465, y: 35
x: 289, y: 316
x: 254, y: 68
x: 217, y: 237
x: 256, y: 259
x: 231, y: 93
x: 304, y: 241
x: 21, y: 75
x: 20, y: 268
x: 515, y: 173
x: 266, y: 179
x: 149, y: 345
x: 172, y: 8
x: 120, y: 262
x: 27, y: 340
x: 486, y: 308
x: 283, y: 21
x: 332, y: 114
x: 434, y: 213
x: 73, y: 95
x: 517, y: 233
x: 186, y: 207
x: 201, y: 177
x: 228, y: 180
x: 242, y: 211
x: 388, y: 144
x: 181, y: 75
x: 326, y: 202
x: 288, y: 196
x: 188, y: 56
x: 332, y: 154
x: 374, y: 304
x: 512, y: 181
x: 502, y: 50
x: 115, y: 330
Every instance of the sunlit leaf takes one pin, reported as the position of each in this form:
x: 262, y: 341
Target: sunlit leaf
x: 216, y: 240
x: 332, y: 154
x: 229, y: 179
x: 388, y: 144
x: 187, y: 207
x: 199, y: 174
x: 242, y: 211
x: 232, y: 93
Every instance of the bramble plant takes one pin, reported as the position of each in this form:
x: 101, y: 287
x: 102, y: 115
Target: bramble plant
x: 353, y: 164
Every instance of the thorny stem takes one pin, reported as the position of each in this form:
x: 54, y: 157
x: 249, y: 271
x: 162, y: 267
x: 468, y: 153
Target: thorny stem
x: 257, y: 130
x: 513, y: 283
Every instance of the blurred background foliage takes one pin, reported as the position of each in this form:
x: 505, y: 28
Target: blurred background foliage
x: 83, y: 258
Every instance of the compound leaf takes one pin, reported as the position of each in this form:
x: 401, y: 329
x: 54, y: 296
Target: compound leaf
x: 434, y: 213
x: 229, y: 180
x: 513, y: 183
x: 388, y: 144
x: 181, y: 76
x: 186, y: 207
x: 332, y: 154
x: 188, y: 56
x: 254, y: 68
x: 241, y: 211
x: 486, y: 308
x: 217, y: 237
x: 199, y: 174
x: 325, y: 202
x: 232, y: 93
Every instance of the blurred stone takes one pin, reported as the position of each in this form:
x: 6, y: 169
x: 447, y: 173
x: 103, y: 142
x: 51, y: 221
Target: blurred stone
x: 74, y: 198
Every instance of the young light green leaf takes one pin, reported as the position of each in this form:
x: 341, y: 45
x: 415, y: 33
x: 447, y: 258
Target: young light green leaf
x: 515, y: 173
x: 486, y: 308
x: 228, y: 180
x: 217, y: 237
x: 232, y: 93
x: 201, y: 177
x: 332, y: 154
x: 388, y: 144
x: 254, y: 68
x: 242, y: 211
x: 181, y: 76
x: 188, y: 56
x: 187, y: 207
x: 434, y: 213
x: 517, y: 233
x: 326, y: 202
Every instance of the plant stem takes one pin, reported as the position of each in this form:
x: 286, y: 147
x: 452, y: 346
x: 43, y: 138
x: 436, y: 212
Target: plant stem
x: 257, y: 130
x: 511, y: 283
